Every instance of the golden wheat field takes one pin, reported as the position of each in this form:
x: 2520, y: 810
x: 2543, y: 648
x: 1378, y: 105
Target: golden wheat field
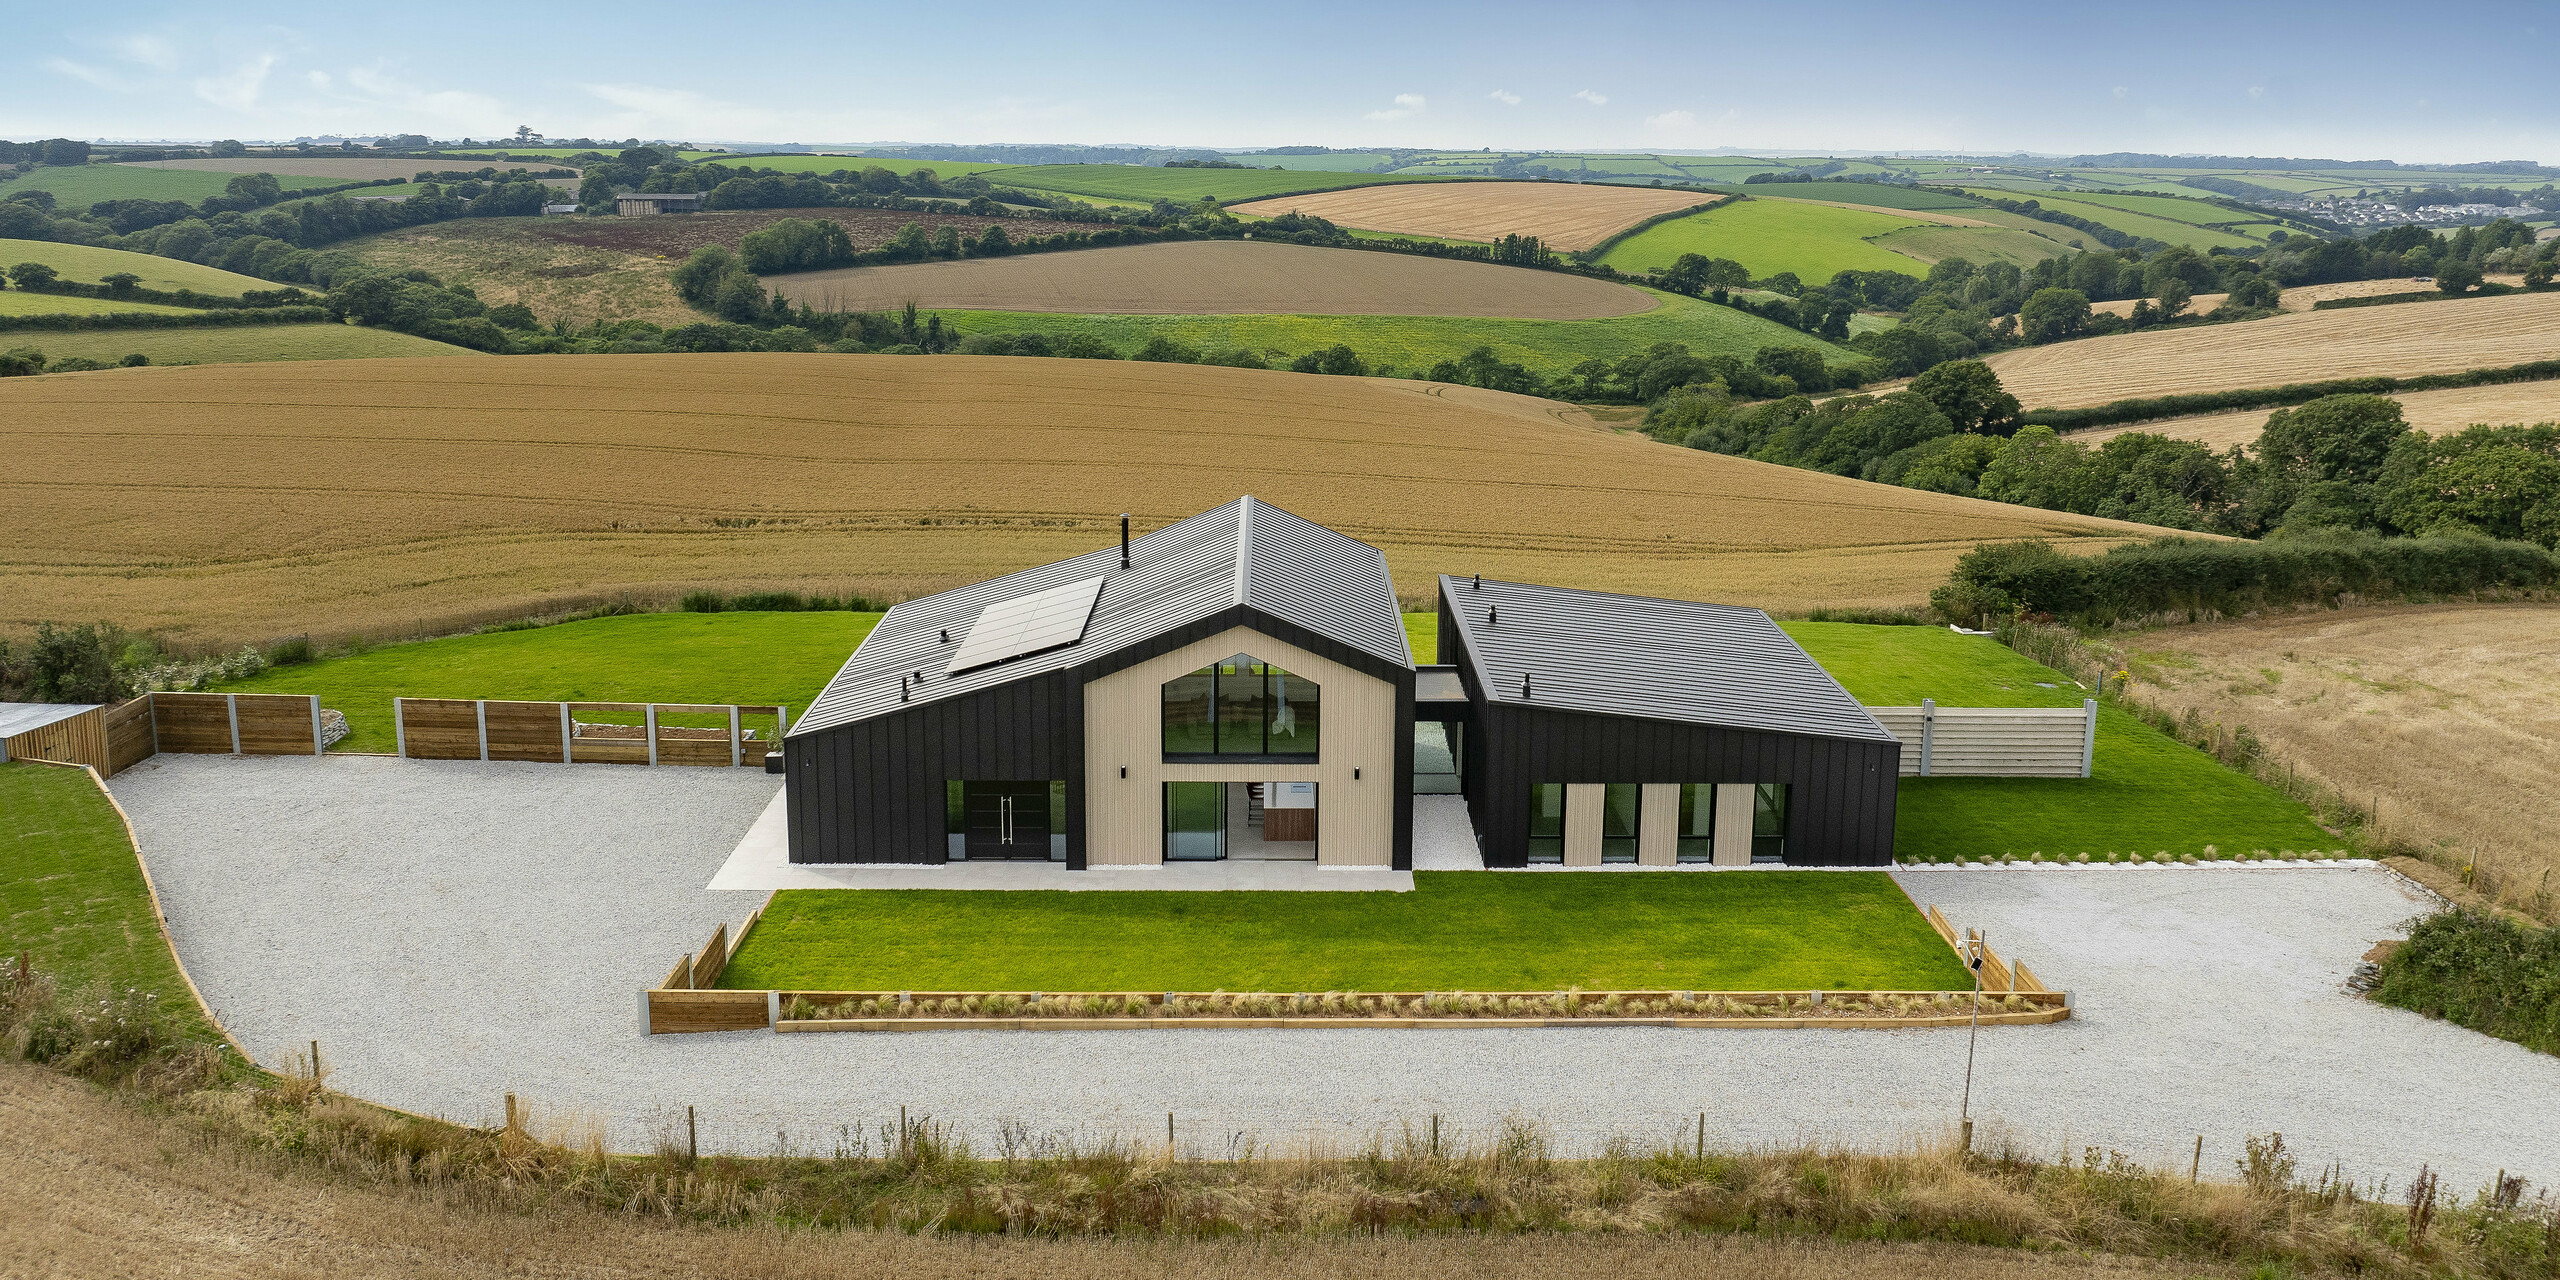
x: 2395, y: 341
x: 2434, y: 412
x: 1565, y: 215
x: 1220, y: 277
x: 97, y: 1187
x: 392, y: 497
x: 2448, y: 713
x: 2302, y: 297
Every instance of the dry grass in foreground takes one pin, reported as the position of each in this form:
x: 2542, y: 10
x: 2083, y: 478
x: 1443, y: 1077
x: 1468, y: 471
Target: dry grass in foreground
x: 2448, y: 714
x: 399, y: 497
x: 1565, y: 215
x: 1220, y: 277
x: 2396, y: 341
x: 2434, y: 412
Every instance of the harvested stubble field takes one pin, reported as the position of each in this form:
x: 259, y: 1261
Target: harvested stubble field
x: 2393, y: 341
x: 242, y: 345
x: 1565, y: 215
x: 342, y: 168
x: 2434, y: 412
x: 587, y: 269
x: 1220, y: 277
x: 426, y: 494
x: 2448, y: 714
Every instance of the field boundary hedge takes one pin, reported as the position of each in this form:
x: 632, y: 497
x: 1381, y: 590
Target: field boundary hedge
x: 250, y: 299
x: 2491, y: 290
x: 2482, y: 971
x: 63, y: 322
x: 1597, y: 251
x: 2190, y: 577
x: 2152, y: 408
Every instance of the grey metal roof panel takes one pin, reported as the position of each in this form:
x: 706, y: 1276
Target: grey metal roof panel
x: 27, y: 717
x: 1245, y: 552
x: 1655, y: 659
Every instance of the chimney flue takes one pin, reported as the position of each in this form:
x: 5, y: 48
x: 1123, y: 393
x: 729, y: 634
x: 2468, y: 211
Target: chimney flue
x: 1124, y: 539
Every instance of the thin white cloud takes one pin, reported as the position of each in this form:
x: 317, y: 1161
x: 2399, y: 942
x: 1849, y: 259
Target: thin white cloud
x: 1595, y: 99
x: 149, y: 50
x: 2119, y: 91
x: 239, y: 87
x: 1407, y: 105
x: 1505, y: 97
x: 90, y: 76
x: 1672, y: 121
x: 2257, y: 91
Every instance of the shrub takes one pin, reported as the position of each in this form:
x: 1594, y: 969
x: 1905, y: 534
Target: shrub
x: 2487, y: 972
x: 703, y: 602
x: 290, y: 653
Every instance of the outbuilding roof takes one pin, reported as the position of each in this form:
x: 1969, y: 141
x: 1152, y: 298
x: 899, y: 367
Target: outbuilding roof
x: 1592, y: 651
x: 27, y: 717
x: 1246, y: 552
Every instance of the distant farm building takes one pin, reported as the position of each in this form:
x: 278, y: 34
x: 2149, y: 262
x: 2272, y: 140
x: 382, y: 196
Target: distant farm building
x: 640, y: 202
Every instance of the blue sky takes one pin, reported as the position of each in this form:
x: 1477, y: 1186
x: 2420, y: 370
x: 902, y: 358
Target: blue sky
x: 2398, y: 81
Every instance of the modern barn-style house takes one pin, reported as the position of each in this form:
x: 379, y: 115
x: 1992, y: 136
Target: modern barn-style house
x: 1239, y: 686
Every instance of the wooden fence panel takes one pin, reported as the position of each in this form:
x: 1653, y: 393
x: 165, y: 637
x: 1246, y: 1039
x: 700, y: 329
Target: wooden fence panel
x: 130, y: 740
x: 79, y: 739
x: 439, y: 728
x: 278, y: 724
x: 713, y: 958
x: 526, y: 731
x: 695, y: 751
x: 686, y: 1011
x: 193, y: 723
x: 586, y: 750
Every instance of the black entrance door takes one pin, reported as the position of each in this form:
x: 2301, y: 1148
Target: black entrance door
x: 1007, y: 819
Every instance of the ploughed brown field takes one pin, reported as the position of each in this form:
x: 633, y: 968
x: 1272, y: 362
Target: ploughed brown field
x: 1565, y: 215
x: 2390, y: 341
x: 394, y: 497
x: 2434, y: 412
x: 2449, y: 714
x: 1219, y: 277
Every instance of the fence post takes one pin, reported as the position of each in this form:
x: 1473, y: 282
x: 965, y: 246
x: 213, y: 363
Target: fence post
x: 399, y: 726
x: 155, y: 721
x: 315, y: 724
x: 480, y: 709
x: 231, y: 703
x: 1928, y: 733
x: 2089, y: 736
x: 566, y: 733
x: 736, y: 752
x: 652, y: 730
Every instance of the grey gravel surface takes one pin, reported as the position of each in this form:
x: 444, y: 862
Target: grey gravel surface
x: 451, y: 932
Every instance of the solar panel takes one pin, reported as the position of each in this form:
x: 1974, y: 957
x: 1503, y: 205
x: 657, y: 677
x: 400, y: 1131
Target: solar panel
x: 1011, y: 628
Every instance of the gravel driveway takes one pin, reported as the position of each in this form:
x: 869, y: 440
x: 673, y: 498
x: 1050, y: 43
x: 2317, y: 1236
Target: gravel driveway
x: 453, y: 931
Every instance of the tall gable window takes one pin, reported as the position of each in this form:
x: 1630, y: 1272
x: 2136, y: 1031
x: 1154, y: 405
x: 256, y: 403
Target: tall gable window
x: 1242, y: 709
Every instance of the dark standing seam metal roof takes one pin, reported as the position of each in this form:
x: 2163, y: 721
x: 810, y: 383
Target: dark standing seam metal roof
x: 1618, y: 655
x: 1246, y: 552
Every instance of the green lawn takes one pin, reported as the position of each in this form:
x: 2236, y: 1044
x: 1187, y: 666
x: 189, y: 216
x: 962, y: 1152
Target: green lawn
x: 1410, y: 343
x: 653, y: 657
x: 73, y: 896
x: 89, y: 265
x: 76, y: 187
x: 2148, y: 793
x: 1143, y: 183
x: 240, y: 345
x: 1456, y: 930
x: 1769, y: 236
x: 19, y: 302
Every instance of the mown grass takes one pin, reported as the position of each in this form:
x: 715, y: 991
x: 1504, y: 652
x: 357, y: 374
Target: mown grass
x: 1814, y: 241
x: 89, y: 265
x: 245, y: 344
x: 2147, y: 793
x: 72, y: 897
x: 1412, y: 343
x: 655, y: 657
x: 1456, y: 930
x: 76, y: 187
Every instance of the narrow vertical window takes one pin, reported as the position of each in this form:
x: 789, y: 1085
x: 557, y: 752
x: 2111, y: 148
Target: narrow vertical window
x: 1697, y: 839
x: 1546, y: 822
x: 1769, y: 822
x: 1620, y: 805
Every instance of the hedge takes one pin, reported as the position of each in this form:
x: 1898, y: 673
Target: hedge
x: 2190, y: 576
x: 2489, y: 973
x: 2149, y: 408
x: 59, y: 322
x: 172, y: 297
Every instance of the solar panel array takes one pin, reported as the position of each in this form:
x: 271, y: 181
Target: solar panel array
x: 1028, y: 624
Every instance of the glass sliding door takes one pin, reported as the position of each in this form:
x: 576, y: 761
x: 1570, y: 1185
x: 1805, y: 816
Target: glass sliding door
x: 1697, y: 838
x: 1546, y: 822
x: 1769, y: 822
x: 1195, y: 821
x: 1620, y: 804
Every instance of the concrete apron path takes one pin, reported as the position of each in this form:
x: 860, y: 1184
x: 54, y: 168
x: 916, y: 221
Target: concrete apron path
x: 454, y: 931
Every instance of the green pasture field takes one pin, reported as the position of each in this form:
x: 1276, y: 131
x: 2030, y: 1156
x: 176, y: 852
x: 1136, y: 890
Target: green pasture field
x: 1769, y: 236
x: 2059, y: 239
x: 2147, y: 794
x: 2139, y: 224
x: 1412, y: 342
x: 897, y: 164
x: 1336, y: 162
x: 76, y: 187
x: 554, y: 153
x: 652, y: 657
x: 74, y: 899
x: 1976, y: 245
x: 1457, y: 930
x: 1182, y: 186
x: 89, y: 265
x: 19, y: 302
x: 250, y: 343
x: 2172, y: 208
x: 1868, y: 193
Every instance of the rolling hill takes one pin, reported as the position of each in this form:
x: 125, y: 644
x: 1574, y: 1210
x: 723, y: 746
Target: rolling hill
x: 428, y: 494
x: 89, y: 265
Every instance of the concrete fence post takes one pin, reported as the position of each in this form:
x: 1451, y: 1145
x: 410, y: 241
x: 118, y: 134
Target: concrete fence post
x: 1928, y: 732
x: 651, y: 728
x: 231, y: 703
x: 737, y: 752
x: 2088, y: 736
x: 567, y: 732
x: 400, y: 726
x: 315, y: 724
x: 480, y: 709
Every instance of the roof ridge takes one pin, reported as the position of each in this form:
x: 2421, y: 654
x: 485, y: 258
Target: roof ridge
x: 1244, y: 544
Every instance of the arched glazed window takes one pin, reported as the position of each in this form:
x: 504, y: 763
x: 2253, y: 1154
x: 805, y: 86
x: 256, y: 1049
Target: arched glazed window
x: 1242, y: 709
